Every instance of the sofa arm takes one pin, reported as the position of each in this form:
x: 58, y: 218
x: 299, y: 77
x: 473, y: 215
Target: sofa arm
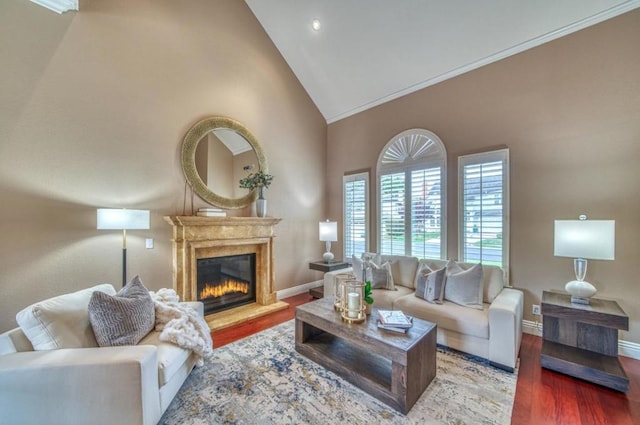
x: 505, y: 328
x: 330, y: 280
x: 102, y: 385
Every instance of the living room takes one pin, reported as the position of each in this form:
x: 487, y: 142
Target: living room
x: 95, y: 105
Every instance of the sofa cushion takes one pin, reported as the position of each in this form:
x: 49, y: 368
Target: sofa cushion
x: 62, y: 321
x: 448, y: 315
x: 430, y: 285
x: 382, y: 278
x: 170, y: 356
x: 403, y: 269
x: 384, y: 299
x: 464, y: 287
x: 124, y: 318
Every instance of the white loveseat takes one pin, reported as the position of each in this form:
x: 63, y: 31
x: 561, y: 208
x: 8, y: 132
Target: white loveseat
x: 493, y: 333
x: 87, y: 384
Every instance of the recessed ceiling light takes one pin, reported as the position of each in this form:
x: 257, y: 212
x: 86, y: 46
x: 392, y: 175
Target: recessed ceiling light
x: 315, y: 24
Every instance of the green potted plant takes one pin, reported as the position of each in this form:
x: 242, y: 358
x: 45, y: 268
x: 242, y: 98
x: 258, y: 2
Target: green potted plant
x: 367, y: 296
x: 261, y: 181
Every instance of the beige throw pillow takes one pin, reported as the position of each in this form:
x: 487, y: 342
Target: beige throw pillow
x: 62, y: 321
x: 122, y: 319
x: 464, y: 287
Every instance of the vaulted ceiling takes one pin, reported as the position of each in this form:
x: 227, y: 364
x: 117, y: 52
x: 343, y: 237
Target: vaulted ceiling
x: 367, y: 52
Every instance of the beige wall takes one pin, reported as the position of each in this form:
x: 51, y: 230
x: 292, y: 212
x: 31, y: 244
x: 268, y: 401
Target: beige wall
x: 570, y: 113
x: 93, y: 108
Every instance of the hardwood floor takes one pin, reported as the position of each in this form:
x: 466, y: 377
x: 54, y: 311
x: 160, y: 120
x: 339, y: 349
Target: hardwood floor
x: 542, y: 396
x: 226, y: 336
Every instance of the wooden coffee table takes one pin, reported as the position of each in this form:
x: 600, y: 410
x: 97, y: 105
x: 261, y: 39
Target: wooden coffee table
x: 395, y: 368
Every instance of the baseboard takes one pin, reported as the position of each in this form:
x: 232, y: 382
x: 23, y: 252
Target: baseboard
x: 629, y: 349
x: 290, y: 292
x: 625, y: 348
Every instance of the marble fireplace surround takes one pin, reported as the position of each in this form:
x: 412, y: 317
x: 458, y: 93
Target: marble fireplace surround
x: 197, y: 237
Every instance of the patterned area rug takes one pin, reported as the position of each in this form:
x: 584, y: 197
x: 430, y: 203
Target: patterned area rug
x: 262, y: 380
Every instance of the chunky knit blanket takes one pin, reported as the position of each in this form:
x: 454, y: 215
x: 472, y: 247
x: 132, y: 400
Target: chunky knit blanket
x: 182, y: 325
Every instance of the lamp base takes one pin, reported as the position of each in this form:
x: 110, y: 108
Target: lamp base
x: 580, y: 291
x: 327, y: 257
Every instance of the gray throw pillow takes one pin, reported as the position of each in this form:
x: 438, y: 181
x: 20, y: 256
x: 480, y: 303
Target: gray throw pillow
x: 465, y: 287
x: 381, y: 277
x: 431, y: 286
x: 124, y: 318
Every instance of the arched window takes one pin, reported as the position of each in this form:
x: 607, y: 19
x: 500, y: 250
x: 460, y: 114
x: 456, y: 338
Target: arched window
x: 411, y: 176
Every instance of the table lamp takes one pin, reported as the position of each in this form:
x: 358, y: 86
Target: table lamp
x: 583, y: 239
x: 123, y: 219
x: 328, y: 233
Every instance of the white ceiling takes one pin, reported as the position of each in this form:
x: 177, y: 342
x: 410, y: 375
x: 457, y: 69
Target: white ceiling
x: 368, y: 52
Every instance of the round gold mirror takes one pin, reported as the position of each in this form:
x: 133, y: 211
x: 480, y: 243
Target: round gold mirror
x: 216, y: 153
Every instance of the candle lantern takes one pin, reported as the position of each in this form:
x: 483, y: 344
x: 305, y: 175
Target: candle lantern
x: 353, y: 301
x: 337, y: 290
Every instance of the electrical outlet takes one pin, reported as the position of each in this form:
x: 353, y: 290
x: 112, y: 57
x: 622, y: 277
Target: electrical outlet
x: 148, y: 243
x: 535, y: 309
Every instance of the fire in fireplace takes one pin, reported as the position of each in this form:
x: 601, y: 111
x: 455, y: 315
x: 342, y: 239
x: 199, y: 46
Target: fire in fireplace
x: 226, y: 282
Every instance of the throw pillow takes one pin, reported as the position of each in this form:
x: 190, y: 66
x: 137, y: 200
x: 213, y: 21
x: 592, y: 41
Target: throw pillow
x: 423, y: 269
x: 431, y: 286
x: 381, y: 277
x: 358, y: 265
x: 464, y: 287
x: 124, y: 318
x: 62, y: 321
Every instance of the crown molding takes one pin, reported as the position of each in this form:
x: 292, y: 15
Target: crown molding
x: 58, y: 6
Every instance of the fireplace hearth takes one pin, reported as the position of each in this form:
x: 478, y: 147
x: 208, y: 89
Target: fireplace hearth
x: 226, y: 282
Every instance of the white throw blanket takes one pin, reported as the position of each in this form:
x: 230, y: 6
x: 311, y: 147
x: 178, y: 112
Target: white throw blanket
x: 182, y: 325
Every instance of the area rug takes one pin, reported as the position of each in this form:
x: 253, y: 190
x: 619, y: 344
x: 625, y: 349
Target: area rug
x: 261, y: 379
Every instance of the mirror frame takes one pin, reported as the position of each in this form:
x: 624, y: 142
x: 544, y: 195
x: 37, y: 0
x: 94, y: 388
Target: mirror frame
x: 188, y: 159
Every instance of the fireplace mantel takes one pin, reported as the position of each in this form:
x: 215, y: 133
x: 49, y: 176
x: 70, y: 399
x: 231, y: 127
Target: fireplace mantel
x: 197, y: 237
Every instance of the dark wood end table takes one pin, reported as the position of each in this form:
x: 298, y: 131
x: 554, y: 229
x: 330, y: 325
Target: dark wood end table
x: 328, y: 267
x: 582, y: 340
x: 325, y: 267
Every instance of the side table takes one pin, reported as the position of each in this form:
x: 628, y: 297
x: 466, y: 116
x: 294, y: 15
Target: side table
x: 582, y: 340
x: 325, y: 267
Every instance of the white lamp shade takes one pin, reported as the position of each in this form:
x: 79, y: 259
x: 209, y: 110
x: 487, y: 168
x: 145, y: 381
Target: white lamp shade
x: 589, y: 239
x: 122, y: 219
x: 328, y: 231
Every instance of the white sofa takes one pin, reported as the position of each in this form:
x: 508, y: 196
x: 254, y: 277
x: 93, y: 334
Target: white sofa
x: 89, y: 385
x: 493, y: 333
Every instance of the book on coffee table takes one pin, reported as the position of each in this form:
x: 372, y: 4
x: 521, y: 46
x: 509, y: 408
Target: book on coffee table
x: 394, y: 318
x: 392, y: 328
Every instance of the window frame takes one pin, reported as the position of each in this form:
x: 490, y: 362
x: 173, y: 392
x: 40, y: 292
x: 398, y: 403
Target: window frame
x: 407, y: 167
x: 348, y: 178
x: 484, y: 158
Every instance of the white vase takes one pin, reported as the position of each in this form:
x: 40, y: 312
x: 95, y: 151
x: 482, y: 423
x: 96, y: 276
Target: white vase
x: 261, y: 207
x: 261, y: 203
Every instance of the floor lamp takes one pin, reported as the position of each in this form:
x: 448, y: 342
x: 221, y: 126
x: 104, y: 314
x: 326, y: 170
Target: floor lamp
x: 123, y: 219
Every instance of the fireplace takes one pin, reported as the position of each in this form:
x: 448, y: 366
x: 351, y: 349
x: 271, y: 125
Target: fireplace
x: 233, y: 242
x: 226, y: 282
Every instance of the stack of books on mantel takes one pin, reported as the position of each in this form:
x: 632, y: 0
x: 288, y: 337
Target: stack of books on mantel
x: 394, y: 320
x: 211, y: 212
